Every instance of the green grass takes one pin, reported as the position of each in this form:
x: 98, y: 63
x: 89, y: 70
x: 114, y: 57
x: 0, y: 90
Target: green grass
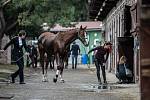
x: 8, y: 67
x: 5, y: 70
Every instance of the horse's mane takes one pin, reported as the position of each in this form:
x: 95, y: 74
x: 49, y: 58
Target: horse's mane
x: 64, y: 32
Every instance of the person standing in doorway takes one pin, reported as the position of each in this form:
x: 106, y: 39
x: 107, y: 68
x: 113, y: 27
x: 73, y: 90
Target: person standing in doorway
x: 18, y: 42
x: 100, y: 59
x: 75, y: 49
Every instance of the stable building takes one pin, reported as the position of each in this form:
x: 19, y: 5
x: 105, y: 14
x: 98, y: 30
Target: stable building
x: 126, y: 24
x: 119, y: 19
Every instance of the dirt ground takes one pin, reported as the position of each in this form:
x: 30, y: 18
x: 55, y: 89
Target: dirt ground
x: 80, y: 84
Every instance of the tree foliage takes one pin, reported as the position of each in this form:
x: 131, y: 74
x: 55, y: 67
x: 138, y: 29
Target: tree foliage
x: 30, y: 14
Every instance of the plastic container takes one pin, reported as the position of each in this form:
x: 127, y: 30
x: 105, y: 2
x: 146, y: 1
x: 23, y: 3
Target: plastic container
x: 84, y: 58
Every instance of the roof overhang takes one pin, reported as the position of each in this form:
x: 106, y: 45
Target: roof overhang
x: 99, y: 9
x: 90, y: 25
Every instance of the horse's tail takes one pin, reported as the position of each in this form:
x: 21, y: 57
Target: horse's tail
x: 40, y: 38
x: 40, y: 46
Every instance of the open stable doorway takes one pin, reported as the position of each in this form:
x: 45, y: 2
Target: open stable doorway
x: 125, y: 48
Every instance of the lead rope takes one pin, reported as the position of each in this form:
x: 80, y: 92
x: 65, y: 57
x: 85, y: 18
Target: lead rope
x: 17, y: 59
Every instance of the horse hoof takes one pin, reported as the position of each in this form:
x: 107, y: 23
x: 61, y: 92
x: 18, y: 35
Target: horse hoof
x: 54, y: 80
x: 62, y: 81
x: 45, y: 80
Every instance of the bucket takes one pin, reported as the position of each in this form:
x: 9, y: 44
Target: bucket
x: 84, y: 58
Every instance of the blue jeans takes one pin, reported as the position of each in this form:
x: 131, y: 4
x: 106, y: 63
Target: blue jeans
x: 74, y: 59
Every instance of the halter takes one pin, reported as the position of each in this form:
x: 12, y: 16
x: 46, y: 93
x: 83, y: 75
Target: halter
x: 80, y: 36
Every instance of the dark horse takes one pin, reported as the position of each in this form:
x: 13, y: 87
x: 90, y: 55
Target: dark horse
x: 56, y: 44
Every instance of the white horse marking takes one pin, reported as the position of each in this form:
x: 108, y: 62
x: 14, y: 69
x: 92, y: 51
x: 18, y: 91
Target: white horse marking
x: 45, y: 79
x: 57, y: 72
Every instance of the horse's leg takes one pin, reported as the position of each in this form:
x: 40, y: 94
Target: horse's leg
x: 58, y: 68
x: 61, y: 71
x: 41, y: 51
x: 53, y: 61
x: 46, y: 67
x: 66, y: 62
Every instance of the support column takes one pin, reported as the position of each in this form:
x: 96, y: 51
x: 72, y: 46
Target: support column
x: 144, y: 7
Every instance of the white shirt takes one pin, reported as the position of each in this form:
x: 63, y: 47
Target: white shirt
x: 20, y: 41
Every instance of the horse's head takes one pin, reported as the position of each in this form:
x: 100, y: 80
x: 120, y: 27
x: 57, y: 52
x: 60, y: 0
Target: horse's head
x: 82, y: 35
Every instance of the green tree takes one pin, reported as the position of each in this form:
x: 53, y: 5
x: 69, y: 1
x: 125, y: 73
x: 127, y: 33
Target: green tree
x: 30, y: 14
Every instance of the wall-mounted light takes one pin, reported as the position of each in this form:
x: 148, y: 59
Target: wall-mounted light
x: 95, y: 34
x: 101, y: 9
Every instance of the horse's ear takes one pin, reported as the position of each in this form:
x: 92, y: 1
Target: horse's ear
x: 85, y: 27
x: 81, y: 27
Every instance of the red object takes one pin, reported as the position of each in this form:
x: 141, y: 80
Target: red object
x: 110, y: 49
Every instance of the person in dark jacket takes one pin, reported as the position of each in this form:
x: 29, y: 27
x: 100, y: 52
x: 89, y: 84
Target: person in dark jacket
x: 18, y: 42
x: 75, y: 49
x: 100, y: 59
x: 33, y: 54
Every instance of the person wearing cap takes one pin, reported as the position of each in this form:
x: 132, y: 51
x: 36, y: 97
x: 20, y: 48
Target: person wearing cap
x: 100, y: 59
x: 18, y: 42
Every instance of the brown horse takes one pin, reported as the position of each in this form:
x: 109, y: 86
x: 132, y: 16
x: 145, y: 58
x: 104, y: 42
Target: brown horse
x: 56, y: 44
